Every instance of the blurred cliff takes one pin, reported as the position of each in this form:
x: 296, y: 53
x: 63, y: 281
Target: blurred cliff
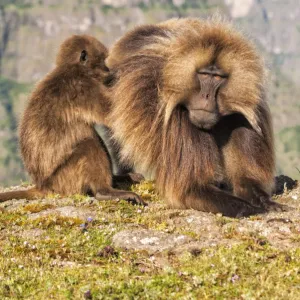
x: 31, y: 31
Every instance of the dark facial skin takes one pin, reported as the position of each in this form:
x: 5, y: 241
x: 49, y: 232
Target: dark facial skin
x: 203, y: 106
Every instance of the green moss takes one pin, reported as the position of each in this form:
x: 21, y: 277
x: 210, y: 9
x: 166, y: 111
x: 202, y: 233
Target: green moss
x: 11, y: 219
x: 66, y: 265
x: 79, y: 198
x: 37, y: 207
x: 221, y: 220
x: 66, y: 261
x: 55, y: 221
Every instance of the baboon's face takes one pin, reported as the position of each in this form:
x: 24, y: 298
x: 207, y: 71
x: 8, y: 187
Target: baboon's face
x: 202, y: 105
x: 212, y: 74
x: 93, y: 55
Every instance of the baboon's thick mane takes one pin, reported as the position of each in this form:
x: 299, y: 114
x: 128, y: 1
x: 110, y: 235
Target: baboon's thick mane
x: 157, y: 64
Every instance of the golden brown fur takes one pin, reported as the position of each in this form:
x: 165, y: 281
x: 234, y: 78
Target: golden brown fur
x: 227, y: 169
x: 61, y: 150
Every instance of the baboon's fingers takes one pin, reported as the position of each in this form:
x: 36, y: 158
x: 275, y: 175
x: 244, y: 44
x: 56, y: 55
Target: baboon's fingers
x: 136, y: 200
x: 215, y: 200
x: 118, y: 194
x: 238, y: 209
x: 278, y: 207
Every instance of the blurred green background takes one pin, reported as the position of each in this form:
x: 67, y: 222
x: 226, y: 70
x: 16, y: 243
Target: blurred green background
x: 31, y: 31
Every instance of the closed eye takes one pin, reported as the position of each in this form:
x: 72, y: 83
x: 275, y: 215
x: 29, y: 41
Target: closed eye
x: 218, y: 77
x: 204, y: 75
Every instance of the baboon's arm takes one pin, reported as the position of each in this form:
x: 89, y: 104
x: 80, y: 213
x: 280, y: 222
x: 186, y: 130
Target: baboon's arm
x: 212, y: 199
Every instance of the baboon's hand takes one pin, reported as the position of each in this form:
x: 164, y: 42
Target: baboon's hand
x: 248, y: 210
x: 135, y: 199
x: 118, y: 194
x: 271, y: 205
x: 259, y: 198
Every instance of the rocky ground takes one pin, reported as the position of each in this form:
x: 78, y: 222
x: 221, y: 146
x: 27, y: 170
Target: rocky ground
x: 47, y: 237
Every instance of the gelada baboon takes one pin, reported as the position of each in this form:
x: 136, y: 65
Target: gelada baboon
x: 189, y: 105
x: 61, y: 150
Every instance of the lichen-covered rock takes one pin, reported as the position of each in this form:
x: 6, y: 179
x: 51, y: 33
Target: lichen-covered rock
x: 149, y: 240
x: 66, y: 211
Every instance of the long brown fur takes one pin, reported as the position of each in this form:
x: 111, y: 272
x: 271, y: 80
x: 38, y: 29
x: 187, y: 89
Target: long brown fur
x: 61, y: 150
x: 155, y: 67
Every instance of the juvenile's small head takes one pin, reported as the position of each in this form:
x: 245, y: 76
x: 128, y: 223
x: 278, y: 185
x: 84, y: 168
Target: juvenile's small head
x: 84, y: 50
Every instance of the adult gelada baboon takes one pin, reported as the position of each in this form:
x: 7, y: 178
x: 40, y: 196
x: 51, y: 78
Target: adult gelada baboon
x: 61, y: 150
x: 189, y: 105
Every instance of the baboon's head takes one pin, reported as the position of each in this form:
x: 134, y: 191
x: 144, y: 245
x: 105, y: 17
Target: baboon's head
x: 84, y: 50
x: 211, y: 71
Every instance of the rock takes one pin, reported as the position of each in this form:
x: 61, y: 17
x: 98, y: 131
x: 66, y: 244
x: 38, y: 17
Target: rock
x: 195, y: 247
x: 148, y: 240
x: 204, y: 224
x: 281, y: 230
x: 31, y: 234
x: 283, y: 183
x: 66, y: 211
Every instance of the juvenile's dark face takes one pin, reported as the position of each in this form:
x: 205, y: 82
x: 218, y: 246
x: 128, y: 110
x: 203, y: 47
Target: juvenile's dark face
x: 202, y: 106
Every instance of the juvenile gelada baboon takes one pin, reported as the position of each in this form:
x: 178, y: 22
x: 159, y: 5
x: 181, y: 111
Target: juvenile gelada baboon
x: 61, y: 150
x: 189, y: 105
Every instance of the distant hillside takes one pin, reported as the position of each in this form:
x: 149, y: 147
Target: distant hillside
x: 31, y: 31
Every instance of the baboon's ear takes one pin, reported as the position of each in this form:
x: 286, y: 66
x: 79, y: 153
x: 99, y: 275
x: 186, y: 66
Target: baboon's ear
x: 83, y: 56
